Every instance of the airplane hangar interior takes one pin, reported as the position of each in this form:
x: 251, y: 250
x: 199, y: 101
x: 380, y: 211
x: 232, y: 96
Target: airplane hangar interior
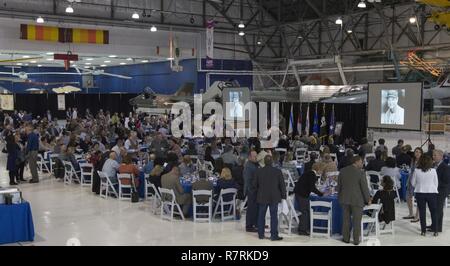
x: 238, y: 123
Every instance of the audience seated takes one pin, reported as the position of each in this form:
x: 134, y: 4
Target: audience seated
x: 171, y: 180
x: 391, y: 170
x: 202, y: 184
x: 127, y: 167
x: 386, y: 196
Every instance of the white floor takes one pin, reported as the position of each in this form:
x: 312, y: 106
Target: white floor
x: 63, y: 212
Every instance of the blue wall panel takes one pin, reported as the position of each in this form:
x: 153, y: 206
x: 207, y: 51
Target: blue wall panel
x: 157, y: 76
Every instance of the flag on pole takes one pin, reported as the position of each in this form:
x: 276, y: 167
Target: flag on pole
x: 323, y: 126
x: 316, y: 122
x: 299, y: 121
x: 291, y: 121
x: 307, y: 121
x: 332, y: 122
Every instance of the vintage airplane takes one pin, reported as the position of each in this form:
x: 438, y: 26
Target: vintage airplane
x: 440, y: 94
x: 440, y: 14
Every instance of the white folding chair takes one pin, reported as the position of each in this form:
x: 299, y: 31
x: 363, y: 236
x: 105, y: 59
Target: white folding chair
x: 202, y: 216
x: 86, y: 174
x: 321, y: 216
x: 42, y: 164
x: 106, y: 186
x: 149, y: 191
x: 231, y: 212
x: 288, y: 180
x: 156, y: 197
x: 373, y: 186
x: 70, y: 174
x: 368, y: 157
x: 52, y: 158
x: 208, y: 166
x: 243, y: 205
x: 300, y: 154
x: 125, y: 190
x: 293, y: 214
x: 371, y: 221
x: 169, y: 206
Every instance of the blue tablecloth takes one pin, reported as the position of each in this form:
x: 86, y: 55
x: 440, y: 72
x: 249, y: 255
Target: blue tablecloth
x: 403, y: 190
x: 16, y: 223
x: 337, y: 213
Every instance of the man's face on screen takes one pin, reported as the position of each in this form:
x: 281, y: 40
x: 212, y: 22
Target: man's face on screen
x: 392, y: 102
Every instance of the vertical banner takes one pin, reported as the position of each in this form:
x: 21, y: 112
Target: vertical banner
x: 61, y: 102
x: 210, y: 44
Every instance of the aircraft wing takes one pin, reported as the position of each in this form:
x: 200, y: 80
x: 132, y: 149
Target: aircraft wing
x: 347, y: 99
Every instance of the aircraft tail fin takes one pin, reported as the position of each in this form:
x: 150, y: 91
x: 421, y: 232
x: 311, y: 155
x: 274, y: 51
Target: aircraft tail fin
x: 186, y: 89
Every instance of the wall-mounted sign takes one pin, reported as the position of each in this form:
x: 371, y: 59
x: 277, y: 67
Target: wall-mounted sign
x: 63, y: 35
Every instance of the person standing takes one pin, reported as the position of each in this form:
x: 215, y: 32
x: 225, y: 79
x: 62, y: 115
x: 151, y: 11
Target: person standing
x: 13, y: 154
x: 425, y: 183
x: 443, y: 173
x: 249, y: 171
x: 398, y: 149
x: 32, y: 152
x: 303, y: 188
x: 270, y: 190
x: 353, y: 194
x: 74, y: 114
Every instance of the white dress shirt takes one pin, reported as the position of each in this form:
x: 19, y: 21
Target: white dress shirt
x: 425, y: 182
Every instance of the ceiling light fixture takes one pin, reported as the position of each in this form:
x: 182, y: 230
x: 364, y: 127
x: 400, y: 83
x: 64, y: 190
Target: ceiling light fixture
x: 144, y: 61
x: 33, y: 62
x: 349, y: 31
x: 123, y: 63
x: 153, y: 29
x: 88, y: 64
x: 241, y: 33
x: 40, y: 20
x: 49, y: 59
x: 135, y: 15
x: 102, y: 65
x: 26, y: 56
x: 412, y: 20
x: 107, y: 61
x: 339, y: 21
x: 241, y: 25
x: 362, y: 4
x: 89, y: 59
x: 129, y: 59
x: 69, y: 9
x: 258, y: 42
x: 50, y: 53
x: 112, y: 56
x: 39, y: 65
x: 19, y: 64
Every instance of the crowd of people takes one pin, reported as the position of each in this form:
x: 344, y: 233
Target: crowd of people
x: 116, y: 143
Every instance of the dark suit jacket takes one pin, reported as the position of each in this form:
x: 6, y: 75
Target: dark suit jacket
x: 202, y: 184
x: 352, y: 187
x: 443, y: 172
x: 307, y: 184
x: 270, y: 185
x: 402, y: 159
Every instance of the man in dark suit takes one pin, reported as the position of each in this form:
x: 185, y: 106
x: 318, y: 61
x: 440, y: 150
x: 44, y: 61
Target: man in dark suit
x: 443, y: 172
x: 271, y: 190
x: 353, y: 194
x: 250, y: 167
x: 303, y: 188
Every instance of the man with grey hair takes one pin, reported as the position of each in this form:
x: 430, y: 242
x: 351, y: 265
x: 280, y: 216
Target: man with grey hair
x: 443, y: 172
x: 271, y: 189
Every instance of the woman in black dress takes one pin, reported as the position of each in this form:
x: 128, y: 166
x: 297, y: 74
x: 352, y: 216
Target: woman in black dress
x: 387, y: 198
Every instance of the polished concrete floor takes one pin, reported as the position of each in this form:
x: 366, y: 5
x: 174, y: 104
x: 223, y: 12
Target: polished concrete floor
x: 64, y: 212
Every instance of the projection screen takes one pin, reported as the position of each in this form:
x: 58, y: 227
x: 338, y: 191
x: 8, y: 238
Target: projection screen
x: 395, y: 105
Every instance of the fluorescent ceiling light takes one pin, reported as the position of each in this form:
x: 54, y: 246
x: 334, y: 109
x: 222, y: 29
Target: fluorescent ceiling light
x: 123, y: 63
x: 49, y: 59
x: 50, y: 53
x: 39, y: 65
x: 241, y: 25
x: 33, y: 62
x: 135, y: 15
x: 241, y: 33
x: 339, y: 21
x: 144, y: 61
x: 26, y: 56
x: 103, y: 65
x: 88, y: 64
x: 129, y: 59
x: 153, y: 29
x: 19, y: 64
x: 107, y: 61
x: 112, y: 56
x: 349, y: 31
x: 362, y: 4
x: 40, y: 20
x: 89, y: 59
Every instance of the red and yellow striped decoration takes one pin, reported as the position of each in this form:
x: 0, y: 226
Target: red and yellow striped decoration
x: 63, y: 35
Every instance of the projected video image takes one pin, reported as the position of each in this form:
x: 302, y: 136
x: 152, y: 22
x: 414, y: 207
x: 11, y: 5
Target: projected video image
x: 236, y: 109
x: 392, y: 111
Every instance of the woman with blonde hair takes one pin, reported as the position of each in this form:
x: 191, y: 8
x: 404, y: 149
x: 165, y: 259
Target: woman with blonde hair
x: 225, y: 181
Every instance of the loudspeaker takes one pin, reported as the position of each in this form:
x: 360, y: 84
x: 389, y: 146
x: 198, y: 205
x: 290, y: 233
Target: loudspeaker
x: 428, y: 105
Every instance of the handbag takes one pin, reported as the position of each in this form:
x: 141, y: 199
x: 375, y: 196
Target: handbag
x: 134, y: 193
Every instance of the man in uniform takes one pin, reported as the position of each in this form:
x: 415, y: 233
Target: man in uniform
x: 395, y: 114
